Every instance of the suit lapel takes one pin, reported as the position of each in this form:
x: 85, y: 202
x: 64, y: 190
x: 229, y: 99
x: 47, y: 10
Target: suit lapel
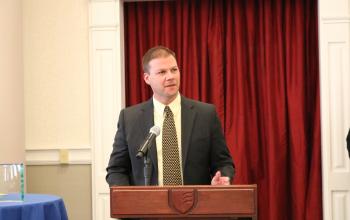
x: 187, y: 119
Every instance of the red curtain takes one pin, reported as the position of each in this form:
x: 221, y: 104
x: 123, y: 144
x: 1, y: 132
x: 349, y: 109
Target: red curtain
x: 257, y: 61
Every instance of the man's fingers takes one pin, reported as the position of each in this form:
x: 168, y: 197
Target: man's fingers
x: 217, y: 174
x: 225, y: 180
x: 216, y: 179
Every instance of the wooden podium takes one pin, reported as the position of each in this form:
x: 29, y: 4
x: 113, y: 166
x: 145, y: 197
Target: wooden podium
x: 183, y: 202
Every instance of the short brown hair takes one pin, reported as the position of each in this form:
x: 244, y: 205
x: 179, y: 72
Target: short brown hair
x: 155, y: 52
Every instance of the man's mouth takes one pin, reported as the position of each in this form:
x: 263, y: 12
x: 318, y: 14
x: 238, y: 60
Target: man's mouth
x: 171, y: 85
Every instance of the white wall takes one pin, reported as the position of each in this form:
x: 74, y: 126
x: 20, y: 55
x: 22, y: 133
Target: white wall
x: 57, y: 101
x: 334, y: 44
x: 56, y: 74
x: 11, y: 83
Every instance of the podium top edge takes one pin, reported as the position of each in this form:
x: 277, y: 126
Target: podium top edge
x: 234, y: 186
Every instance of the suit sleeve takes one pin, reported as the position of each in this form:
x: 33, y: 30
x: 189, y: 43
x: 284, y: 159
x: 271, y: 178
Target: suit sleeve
x: 220, y: 155
x: 119, y: 166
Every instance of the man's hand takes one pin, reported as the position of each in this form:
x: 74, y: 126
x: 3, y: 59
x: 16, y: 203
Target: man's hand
x: 220, y: 180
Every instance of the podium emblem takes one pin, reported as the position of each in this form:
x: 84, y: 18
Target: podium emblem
x: 182, y: 200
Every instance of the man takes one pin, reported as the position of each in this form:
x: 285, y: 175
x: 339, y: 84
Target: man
x: 197, y: 141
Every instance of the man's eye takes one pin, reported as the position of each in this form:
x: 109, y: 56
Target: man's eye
x: 162, y: 72
x: 174, y: 70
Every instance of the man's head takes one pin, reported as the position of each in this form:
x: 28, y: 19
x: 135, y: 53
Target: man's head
x: 155, y: 52
x: 162, y: 73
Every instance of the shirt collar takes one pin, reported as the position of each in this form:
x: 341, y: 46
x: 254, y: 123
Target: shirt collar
x: 174, y: 105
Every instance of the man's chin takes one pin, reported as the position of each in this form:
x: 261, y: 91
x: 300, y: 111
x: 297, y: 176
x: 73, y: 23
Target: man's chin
x: 171, y: 91
x: 172, y: 95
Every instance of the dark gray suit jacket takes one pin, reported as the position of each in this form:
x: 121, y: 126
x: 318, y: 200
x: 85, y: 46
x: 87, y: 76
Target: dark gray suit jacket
x: 204, y: 150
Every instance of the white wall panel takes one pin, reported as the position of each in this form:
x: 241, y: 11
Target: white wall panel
x: 337, y: 60
x: 334, y: 8
x: 107, y: 93
x: 340, y: 200
x: 103, y: 206
x: 334, y: 38
x: 103, y: 13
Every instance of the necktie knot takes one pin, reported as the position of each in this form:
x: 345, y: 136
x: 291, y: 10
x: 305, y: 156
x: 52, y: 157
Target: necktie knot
x: 168, y: 111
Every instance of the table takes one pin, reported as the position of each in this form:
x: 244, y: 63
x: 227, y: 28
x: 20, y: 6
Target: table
x: 34, y: 207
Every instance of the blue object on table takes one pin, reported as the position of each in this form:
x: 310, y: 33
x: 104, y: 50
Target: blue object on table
x: 34, y: 207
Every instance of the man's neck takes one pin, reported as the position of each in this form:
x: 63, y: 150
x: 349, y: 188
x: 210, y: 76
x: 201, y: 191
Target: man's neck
x: 167, y: 101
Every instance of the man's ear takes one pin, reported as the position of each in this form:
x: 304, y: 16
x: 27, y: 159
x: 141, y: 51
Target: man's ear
x: 146, y: 77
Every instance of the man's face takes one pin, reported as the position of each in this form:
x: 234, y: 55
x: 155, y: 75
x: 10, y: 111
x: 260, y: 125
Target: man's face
x: 164, y: 78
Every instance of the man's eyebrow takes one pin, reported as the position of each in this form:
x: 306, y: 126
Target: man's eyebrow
x: 161, y: 69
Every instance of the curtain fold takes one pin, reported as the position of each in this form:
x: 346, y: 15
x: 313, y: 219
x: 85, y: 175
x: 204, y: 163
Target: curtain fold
x: 257, y: 61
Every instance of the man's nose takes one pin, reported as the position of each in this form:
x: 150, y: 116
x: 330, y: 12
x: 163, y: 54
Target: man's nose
x: 169, y: 74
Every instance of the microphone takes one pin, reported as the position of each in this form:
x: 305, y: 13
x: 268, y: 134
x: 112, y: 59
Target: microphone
x: 153, y: 133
